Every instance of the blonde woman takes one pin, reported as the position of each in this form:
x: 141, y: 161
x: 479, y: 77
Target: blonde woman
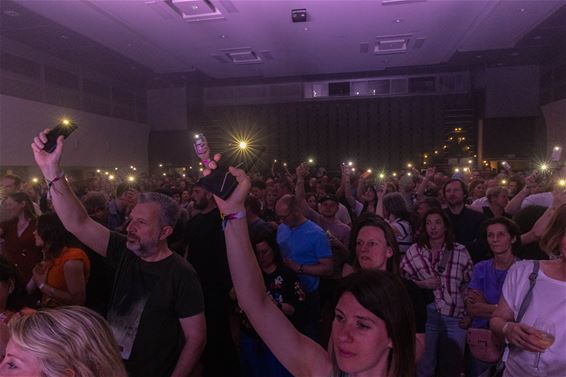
x: 67, y: 341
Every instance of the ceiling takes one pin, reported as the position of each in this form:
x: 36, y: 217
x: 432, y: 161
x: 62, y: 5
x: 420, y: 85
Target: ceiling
x: 139, y: 38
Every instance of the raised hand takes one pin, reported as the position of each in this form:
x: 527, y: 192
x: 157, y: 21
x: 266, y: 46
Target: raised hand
x: 235, y: 201
x: 49, y: 163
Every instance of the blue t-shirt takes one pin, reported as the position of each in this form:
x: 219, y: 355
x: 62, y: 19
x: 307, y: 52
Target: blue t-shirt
x: 304, y: 244
x: 488, y: 281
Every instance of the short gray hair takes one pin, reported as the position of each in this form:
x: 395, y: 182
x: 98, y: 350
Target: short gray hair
x: 169, y: 209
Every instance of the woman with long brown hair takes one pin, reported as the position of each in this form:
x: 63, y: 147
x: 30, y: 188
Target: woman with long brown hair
x: 438, y: 263
x: 373, y: 328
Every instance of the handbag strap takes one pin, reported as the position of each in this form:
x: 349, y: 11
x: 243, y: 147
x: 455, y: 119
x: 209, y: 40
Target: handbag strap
x: 529, y: 295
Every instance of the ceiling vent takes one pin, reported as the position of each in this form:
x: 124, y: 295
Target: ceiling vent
x: 195, y: 10
x: 242, y: 56
x: 391, y: 45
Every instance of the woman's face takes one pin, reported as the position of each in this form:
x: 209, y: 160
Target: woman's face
x: 271, y: 197
x: 435, y: 228
x: 19, y: 362
x: 359, y: 338
x: 312, y: 202
x: 499, y: 239
x: 479, y: 191
x: 13, y: 208
x: 502, y: 199
x: 369, y: 195
x: 264, y: 255
x: 372, y: 250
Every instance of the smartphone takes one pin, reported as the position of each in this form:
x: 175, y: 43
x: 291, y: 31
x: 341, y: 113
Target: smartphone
x: 506, y: 165
x: 65, y: 129
x: 221, y: 183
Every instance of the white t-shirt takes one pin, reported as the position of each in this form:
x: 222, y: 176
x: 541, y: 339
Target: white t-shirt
x: 541, y: 199
x: 481, y: 202
x: 548, y: 303
x: 343, y: 214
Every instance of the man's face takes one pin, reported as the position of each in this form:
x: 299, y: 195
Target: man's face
x: 9, y: 186
x: 258, y: 193
x: 200, y: 197
x: 454, y: 193
x: 285, y: 215
x: 130, y: 197
x: 328, y: 208
x: 144, y: 230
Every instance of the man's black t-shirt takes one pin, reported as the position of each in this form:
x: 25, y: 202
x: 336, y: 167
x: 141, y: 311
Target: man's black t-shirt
x: 467, y: 226
x: 148, y: 299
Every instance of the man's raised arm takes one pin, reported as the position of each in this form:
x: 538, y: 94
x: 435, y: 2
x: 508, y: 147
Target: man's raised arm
x: 66, y: 204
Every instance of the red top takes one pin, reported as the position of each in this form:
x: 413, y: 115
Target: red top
x: 21, y: 251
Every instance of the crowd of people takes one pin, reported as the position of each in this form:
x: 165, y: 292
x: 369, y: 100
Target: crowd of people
x: 425, y: 273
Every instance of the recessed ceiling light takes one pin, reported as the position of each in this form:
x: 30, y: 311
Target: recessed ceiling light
x: 537, y: 37
x: 522, y: 10
x: 65, y: 37
x: 478, y: 56
x: 222, y: 36
x: 398, y: 21
x: 306, y: 29
x: 11, y: 13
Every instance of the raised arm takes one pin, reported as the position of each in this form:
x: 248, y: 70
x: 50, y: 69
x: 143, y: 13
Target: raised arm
x: 425, y: 183
x: 346, y: 186
x: 514, y: 205
x: 66, y: 204
x: 299, y: 354
x: 558, y: 199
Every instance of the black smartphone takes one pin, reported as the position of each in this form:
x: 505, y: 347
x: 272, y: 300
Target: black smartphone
x: 221, y: 183
x: 64, y: 128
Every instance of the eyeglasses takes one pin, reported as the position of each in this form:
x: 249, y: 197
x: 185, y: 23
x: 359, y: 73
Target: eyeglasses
x: 284, y: 217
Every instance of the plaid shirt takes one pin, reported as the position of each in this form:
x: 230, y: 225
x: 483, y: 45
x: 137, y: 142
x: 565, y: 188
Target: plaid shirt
x: 419, y: 265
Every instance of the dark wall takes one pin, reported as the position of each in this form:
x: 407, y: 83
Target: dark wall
x: 384, y: 132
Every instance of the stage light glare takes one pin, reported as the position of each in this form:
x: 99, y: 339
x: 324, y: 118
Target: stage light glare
x: 409, y: 165
x: 350, y: 163
x: 311, y: 161
x: 98, y: 170
x: 381, y: 175
x: 544, y: 167
x: 131, y: 178
x: 164, y: 174
x: 34, y: 180
x: 66, y: 122
x: 456, y: 170
x: 160, y: 165
x: 111, y: 177
x: 503, y: 182
x: 242, y: 145
x: 106, y: 173
x: 409, y: 174
x: 369, y: 171
x: 562, y: 182
x: 557, y: 148
x: 394, y: 174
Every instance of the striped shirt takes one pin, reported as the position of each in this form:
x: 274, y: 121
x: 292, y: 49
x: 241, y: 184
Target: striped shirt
x: 419, y: 265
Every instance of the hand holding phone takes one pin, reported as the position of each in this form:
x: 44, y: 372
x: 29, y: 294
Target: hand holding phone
x: 64, y: 129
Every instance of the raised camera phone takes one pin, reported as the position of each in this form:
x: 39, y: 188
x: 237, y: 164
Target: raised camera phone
x: 64, y: 129
x: 220, y: 182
